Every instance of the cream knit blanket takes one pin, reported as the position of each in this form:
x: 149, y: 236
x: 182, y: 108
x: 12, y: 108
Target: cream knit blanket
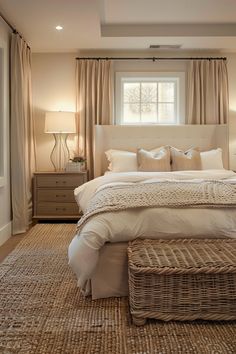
x: 171, y: 194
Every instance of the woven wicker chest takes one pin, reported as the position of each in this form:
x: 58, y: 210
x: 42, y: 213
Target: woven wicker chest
x: 182, y: 279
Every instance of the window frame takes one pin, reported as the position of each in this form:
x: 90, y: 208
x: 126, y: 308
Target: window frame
x: 3, y: 110
x: 178, y: 77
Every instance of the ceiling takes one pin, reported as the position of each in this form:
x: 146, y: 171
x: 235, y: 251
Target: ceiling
x: 123, y: 24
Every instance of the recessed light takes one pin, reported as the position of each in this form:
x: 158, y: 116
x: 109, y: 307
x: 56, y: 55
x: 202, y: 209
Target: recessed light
x: 59, y: 28
x: 165, y: 46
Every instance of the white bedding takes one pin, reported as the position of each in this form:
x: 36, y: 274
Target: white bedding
x: 126, y: 225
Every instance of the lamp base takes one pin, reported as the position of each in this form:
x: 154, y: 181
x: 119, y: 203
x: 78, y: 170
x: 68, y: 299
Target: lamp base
x: 60, y: 153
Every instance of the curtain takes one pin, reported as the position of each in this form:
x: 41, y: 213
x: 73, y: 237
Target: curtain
x: 208, y: 100
x: 94, y: 103
x: 22, y: 135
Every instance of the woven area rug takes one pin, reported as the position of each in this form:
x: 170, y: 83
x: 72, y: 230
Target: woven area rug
x: 42, y: 310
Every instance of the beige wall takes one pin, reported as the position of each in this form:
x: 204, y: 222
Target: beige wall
x: 5, y: 204
x: 53, y: 78
x: 54, y: 88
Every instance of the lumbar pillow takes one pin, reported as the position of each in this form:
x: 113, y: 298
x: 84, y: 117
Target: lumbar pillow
x: 212, y: 159
x: 154, y: 160
x: 188, y: 160
x: 121, y: 161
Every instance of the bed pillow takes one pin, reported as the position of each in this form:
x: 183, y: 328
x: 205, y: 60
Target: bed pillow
x: 212, y: 159
x: 121, y: 161
x: 154, y: 160
x: 188, y: 160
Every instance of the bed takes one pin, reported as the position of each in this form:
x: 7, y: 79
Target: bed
x: 98, y: 255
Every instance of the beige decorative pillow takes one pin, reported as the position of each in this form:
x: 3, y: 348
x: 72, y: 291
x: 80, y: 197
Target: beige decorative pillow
x: 188, y: 160
x: 155, y: 160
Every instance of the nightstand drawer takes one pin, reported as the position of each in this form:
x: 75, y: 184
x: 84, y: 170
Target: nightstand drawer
x: 59, y: 181
x: 55, y: 195
x: 57, y: 209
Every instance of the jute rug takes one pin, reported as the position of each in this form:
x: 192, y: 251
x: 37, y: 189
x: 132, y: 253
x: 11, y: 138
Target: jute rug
x: 42, y: 311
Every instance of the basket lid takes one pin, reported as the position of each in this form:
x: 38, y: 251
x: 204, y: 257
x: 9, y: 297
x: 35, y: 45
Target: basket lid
x: 183, y: 256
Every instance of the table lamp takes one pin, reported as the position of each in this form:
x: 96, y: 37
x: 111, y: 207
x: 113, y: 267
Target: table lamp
x: 60, y: 124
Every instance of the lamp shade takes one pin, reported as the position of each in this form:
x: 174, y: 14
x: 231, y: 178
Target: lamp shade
x: 60, y: 122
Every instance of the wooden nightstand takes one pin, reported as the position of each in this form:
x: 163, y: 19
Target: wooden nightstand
x: 54, y: 195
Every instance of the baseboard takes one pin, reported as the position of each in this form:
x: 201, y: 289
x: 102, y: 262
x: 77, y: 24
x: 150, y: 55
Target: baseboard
x: 5, y: 233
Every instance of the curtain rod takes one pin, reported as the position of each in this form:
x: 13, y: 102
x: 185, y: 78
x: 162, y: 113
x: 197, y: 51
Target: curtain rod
x: 154, y: 58
x: 14, y: 30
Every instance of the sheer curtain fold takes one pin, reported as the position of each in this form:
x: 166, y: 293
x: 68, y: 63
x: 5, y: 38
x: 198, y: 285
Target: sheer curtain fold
x: 94, y: 102
x: 22, y: 135
x: 208, y: 98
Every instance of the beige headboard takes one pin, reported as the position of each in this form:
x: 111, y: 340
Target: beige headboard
x: 130, y: 138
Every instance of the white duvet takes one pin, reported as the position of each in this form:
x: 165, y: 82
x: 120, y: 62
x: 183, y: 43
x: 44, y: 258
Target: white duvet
x: 145, y: 222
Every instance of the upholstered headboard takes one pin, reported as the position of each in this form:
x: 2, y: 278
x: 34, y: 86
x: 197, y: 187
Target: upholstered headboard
x: 130, y: 138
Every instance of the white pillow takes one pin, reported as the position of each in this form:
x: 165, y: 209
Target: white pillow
x: 212, y: 160
x: 122, y: 161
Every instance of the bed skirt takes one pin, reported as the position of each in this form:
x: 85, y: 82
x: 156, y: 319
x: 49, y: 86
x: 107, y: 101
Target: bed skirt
x: 111, y: 276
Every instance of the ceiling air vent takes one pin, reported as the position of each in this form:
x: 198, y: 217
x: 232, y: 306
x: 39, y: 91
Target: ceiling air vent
x: 165, y: 46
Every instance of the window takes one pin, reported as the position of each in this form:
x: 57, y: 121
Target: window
x: 150, y: 98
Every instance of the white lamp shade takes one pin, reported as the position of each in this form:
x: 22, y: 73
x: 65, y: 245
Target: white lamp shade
x: 60, y: 122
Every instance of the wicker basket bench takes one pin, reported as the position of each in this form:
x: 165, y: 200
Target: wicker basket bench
x: 182, y: 279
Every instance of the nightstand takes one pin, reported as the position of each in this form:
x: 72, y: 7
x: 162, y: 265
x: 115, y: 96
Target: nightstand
x: 53, y: 196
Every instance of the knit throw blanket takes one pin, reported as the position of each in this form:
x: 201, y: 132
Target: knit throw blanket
x: 171, y: 194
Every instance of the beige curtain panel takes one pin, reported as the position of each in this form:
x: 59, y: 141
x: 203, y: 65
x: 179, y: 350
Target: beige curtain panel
x: 94, y: 102
x: 22, y: 135
x: 208, y: 98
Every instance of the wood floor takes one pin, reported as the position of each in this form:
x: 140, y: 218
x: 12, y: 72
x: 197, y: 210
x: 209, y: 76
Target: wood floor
x: 9, y: 245
x: 13, y: 241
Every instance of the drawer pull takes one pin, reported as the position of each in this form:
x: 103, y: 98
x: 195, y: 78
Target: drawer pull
x: 64, y: 182
x: 60, y: 195
x: 63, y: 209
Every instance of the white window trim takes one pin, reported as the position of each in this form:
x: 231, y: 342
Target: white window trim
x: 180, y: 76
x: 3, y: 112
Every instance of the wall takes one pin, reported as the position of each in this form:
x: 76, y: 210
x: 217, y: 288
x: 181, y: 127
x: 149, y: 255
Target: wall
x: 53, y: 85
x: 54, y: 88
x: 5, y: 203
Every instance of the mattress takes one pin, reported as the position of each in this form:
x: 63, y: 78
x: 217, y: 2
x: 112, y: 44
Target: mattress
x: 85, y: 250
